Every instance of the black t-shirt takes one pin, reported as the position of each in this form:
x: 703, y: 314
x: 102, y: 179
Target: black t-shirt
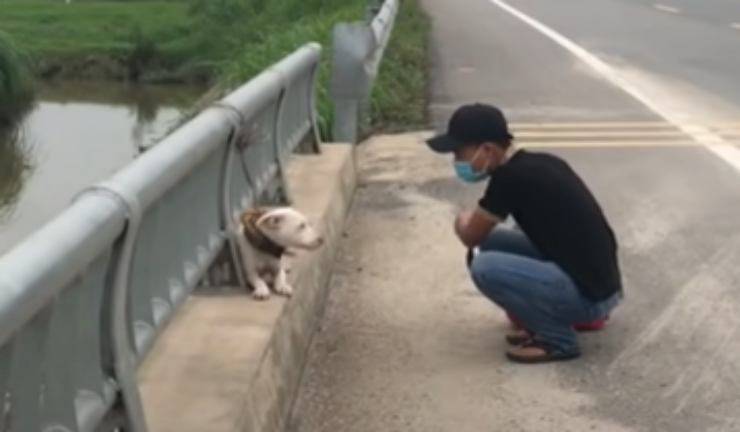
x: 560, y: 216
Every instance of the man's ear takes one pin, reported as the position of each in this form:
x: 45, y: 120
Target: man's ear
x: 272, y: 222
x: 496, y: 151
x: 492, y: 147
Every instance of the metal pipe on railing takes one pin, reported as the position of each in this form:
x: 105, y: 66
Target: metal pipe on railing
x: 297, y: 64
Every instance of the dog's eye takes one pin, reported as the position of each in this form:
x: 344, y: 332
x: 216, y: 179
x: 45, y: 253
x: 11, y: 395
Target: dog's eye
x: 302, y: 226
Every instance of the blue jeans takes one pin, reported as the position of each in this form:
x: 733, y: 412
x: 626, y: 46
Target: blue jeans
x: 511, y: 272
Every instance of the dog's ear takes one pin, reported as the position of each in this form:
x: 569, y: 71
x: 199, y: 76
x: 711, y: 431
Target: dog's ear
x: 273, y: 222
x: 251, y: 216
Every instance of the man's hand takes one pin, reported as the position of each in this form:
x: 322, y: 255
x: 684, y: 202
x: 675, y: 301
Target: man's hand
x: 462, y: 220
x: 472, y: 227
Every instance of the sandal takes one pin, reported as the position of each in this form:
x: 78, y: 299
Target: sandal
x: 518, y: 337
x: 534, y: 351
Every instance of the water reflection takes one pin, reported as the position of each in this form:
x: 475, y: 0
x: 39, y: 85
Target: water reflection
x: 152, y: 109
x: 78, y: 134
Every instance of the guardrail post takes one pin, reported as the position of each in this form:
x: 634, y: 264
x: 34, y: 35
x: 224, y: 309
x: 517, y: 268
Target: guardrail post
x: 358, y: 52
x: 350, y: 81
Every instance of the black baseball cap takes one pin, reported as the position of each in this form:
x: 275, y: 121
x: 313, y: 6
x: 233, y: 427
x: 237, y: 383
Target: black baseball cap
x: 472, y: 124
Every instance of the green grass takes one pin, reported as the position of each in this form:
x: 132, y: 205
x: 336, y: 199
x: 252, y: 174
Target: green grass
x: 62, y: 37
x: 399, y: 98
x: 288, y: 33
x: 175, y: 39
x: 226, y: 41
x: 52, y: 28
x: 400, y: 94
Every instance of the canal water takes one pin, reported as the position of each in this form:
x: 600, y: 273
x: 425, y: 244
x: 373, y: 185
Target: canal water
x: 78, y: 134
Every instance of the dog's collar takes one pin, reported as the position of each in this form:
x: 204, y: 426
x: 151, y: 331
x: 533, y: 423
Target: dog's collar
x: 256, y: 237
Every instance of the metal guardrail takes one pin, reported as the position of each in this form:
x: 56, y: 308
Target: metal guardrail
x: 84, y: 298
x: 358, y: 53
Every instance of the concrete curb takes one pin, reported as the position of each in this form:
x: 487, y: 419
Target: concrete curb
x: 276, y: 381
x: 228, y: 363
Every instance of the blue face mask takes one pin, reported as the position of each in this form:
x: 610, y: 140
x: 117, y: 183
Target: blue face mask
x: 466, y: 173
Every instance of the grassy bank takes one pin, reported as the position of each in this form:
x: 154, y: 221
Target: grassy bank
x: 149, y: 40
x: 399, y: 99
x: 282, y: 26
x: 400, y: 94
x: 181, y: 40
x: 219, y: 41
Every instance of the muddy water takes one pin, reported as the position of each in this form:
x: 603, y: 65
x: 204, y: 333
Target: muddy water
x: 78, y: 134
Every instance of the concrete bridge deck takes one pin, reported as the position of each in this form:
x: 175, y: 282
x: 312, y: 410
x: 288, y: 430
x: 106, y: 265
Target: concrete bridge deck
x: 408, y: 344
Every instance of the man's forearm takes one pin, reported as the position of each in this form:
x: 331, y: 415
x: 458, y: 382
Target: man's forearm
x: 472, y: 227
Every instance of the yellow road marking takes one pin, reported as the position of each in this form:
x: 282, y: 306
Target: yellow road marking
x: 618, y: 125
x: 551, y: 135
x: 618, y: 144
x: 591, y: 125
x: 606, y: 144
x: 597, y: 134
x: 614, y: 144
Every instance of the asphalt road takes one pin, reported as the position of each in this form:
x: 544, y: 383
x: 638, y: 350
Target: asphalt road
x: 408, y: 345
x: 692, y: 52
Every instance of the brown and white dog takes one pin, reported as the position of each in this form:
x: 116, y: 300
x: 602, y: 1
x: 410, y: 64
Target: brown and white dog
x: 264, y: 236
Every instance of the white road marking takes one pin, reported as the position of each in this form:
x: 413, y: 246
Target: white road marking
x: 701, y: 134
x: 665, y: 8
x: 736, y: 26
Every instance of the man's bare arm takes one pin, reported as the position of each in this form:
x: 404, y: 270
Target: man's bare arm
x: 472, y: 227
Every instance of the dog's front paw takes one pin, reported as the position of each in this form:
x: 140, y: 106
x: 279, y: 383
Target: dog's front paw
x: 284, y: 290
x: 261, y: 293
